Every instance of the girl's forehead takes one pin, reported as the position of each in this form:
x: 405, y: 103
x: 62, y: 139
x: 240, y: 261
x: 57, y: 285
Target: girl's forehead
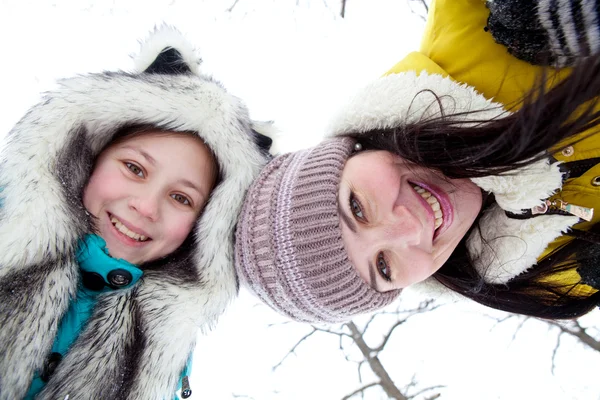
x: 169, y: 150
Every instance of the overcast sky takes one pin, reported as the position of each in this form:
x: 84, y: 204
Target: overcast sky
x: 294, y: 62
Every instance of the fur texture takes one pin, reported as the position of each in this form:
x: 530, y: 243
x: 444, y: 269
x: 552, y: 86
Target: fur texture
x: 137, y: 341
x: 506, y: 247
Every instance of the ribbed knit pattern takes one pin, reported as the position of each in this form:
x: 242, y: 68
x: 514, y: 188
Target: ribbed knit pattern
x: 289, y: 247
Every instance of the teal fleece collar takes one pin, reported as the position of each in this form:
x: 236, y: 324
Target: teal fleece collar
x: 93, y: 258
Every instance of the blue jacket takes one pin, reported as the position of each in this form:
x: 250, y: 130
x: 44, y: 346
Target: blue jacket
x: 95, y: 264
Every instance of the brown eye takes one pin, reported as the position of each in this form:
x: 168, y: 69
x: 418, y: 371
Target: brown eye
x: 383, y: 267
x: 356, y: 208
x: 181, y: 199
x: 135, y: 169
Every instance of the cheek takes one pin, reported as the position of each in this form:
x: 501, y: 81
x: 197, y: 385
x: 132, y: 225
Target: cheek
x: 418, y: 266
x: 468, y: 204
x: 91, y: 196
x: 178, y: 230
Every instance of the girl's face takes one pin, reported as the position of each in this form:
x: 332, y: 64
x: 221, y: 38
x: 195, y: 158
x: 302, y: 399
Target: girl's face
x: 146, y: 193
x: 401, y: 222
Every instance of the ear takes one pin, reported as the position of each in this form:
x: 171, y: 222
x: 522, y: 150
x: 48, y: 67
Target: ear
x: 166, y: 51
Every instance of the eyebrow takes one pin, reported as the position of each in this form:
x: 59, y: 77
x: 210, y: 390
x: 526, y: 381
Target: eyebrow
x: 352, y: 226
x: 190, y: 184
x: 144, y: 154
x: 346, y: 218
x: 152, y: 160
x: 373, y: 277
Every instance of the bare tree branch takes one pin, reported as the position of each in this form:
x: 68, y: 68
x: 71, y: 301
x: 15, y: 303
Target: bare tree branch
x: 423, y: 307
x: 519, y: 327
x: 386, y: 382
x: 555, y: 350
x: 575, y: 329
x: 343, y: 12
x: 572, y: 328
x: 232, y: 6
x: 434, y: 396
x: 360, y: 390
x: 388, y: 335
x: 293, y: 349
x: 369, y: 355
x: 371, y: 319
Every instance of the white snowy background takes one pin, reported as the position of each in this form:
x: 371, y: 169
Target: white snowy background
x: 295, y: 62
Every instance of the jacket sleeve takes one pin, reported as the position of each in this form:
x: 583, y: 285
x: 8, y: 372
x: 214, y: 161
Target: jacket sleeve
x: 543, y: 32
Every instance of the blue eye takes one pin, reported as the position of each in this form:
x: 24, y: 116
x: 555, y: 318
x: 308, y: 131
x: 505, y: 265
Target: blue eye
x: 135, y: 169
x: 356, y: 208
x: 383, y: 267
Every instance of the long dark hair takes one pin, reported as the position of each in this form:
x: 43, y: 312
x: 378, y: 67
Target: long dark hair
x: 547, y: 121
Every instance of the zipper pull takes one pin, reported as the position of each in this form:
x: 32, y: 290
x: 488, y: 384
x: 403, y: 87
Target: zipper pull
x: 541, y: 209
x: 186, y: 391
x: 582, y: 212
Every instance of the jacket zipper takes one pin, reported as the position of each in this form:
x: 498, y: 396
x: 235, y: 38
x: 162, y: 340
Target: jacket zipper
x: 582, y: 212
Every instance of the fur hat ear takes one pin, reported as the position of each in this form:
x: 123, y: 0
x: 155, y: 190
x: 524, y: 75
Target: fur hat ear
x: 166, y: 51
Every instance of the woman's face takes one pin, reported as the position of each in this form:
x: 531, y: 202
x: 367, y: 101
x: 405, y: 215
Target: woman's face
x: 147, y: 191
x: 400, y: 222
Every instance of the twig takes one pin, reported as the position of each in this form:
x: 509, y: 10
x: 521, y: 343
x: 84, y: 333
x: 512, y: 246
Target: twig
x: 293, y: 349
x: 555, y: 351
x: 426, y: 390
x: 360, y: 390
x: 388, y: 335
x: 232, y: 6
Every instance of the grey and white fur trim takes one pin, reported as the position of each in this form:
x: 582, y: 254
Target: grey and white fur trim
x: 137, y: 340
x: 546, y: 32
x: 507, y: 247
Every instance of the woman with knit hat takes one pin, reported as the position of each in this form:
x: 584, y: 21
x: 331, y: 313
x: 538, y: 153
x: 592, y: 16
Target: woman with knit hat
x: 427, y: 181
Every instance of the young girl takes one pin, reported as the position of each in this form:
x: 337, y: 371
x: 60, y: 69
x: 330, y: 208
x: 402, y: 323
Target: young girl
x: 120, y: 192
x: 426, y: 177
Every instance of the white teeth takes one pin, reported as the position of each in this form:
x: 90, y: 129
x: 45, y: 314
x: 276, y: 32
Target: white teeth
x: 124, y: 230
x: 433, y: 202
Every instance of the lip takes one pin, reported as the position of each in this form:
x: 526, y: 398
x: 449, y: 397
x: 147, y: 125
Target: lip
x: 445, y: 205
x: 124, y: 238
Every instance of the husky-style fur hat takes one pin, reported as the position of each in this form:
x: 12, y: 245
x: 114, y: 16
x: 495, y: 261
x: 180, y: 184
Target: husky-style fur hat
x: 137, y: 340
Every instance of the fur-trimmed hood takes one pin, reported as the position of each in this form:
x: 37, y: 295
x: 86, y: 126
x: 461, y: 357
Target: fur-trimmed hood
x: 137, y: 340
x: 503, y: 248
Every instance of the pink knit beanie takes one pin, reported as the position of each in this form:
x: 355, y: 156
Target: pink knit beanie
x: 289, y: 247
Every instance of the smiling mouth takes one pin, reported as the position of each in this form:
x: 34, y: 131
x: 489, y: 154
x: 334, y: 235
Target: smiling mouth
x: 433, y: 203
x: 126, y: 231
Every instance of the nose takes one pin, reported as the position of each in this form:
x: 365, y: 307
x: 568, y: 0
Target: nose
x: 146, y: 204
x: 402, y: 225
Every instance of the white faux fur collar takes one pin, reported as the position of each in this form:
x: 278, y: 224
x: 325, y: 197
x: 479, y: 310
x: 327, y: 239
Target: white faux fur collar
x: 509, y: 246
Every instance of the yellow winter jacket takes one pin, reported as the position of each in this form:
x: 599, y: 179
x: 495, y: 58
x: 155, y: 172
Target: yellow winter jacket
x: 455, y: 44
